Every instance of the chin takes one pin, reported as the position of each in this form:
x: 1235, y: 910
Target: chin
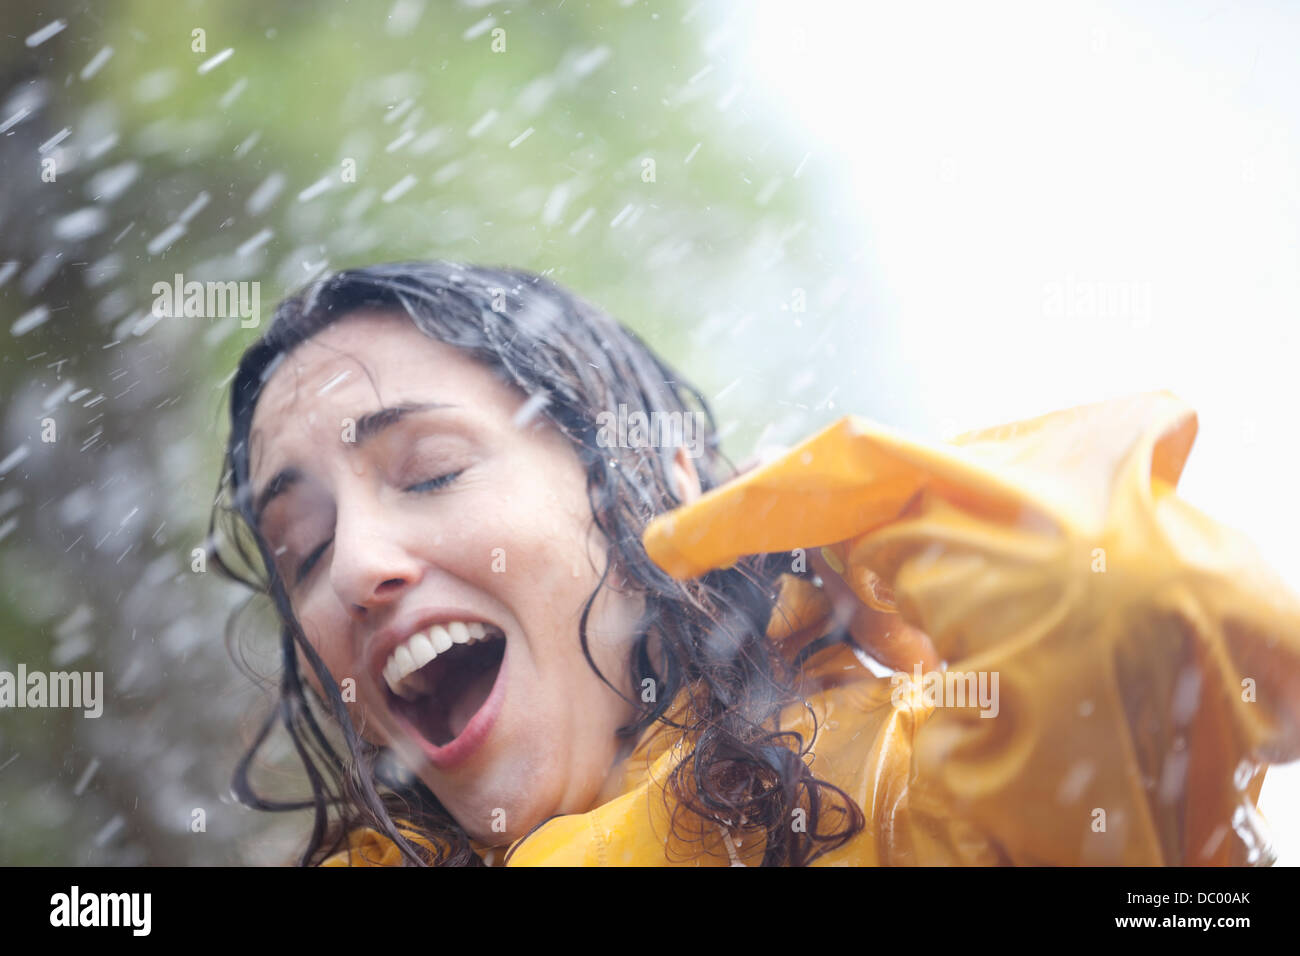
x: 498, y: 816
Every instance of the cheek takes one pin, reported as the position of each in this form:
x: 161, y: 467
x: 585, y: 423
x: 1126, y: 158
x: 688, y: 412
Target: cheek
x: 357, y: 702
x: 564, y: 570
x: 557, y: 560
x: 328, y: 637
x: 539, y: 545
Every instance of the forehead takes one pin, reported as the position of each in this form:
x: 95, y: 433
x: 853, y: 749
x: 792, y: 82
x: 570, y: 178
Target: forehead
x: 363, y: 362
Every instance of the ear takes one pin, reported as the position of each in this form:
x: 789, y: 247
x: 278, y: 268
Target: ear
x: 686, y: 480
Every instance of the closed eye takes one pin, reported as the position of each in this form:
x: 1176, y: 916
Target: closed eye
x: 434, y: 484
x: 309, y: 562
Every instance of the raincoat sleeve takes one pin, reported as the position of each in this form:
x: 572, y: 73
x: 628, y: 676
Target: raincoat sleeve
x: 1147, y: 662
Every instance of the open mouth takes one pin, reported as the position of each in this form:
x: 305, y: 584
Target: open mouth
x: 439, y: 679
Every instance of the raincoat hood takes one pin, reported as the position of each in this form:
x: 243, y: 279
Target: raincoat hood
x: 1126, y: 667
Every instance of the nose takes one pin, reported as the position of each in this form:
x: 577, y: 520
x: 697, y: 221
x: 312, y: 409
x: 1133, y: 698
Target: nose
x: 371, y: 566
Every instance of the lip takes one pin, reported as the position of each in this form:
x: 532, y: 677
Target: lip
x: 476, y: 731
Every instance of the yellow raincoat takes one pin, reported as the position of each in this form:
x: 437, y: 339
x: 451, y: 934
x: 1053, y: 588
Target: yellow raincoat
x: 1140, y: 664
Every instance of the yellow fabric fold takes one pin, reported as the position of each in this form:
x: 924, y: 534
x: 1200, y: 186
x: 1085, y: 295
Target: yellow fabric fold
x: 1148, y: 661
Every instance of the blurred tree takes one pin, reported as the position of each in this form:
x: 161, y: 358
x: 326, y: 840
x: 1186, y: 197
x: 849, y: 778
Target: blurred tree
x: 613, y: 147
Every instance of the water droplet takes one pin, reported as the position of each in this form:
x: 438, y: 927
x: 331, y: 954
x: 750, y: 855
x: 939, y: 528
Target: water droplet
x: 1250, y: 829
x: 1241, y: 776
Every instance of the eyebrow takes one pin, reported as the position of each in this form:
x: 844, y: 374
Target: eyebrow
x: 368, y: 426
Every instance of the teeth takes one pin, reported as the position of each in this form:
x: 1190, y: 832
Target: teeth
x: 415, y: 685
x: 405, y: 661
x: 411, y: 688
x: 441, y: 639
x: 423, y: 647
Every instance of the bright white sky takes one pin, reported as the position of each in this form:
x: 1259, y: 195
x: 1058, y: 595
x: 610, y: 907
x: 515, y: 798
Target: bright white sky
x: 1060, y: 202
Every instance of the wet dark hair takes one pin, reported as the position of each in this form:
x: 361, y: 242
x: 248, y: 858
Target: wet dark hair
x: 742, y: 773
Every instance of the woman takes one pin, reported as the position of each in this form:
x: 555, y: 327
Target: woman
x: 543, y: 636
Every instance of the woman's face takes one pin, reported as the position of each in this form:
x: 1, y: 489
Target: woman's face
x: 411, y: 516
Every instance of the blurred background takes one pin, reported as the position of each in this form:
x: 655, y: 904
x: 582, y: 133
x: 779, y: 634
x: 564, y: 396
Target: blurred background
x: 937, y: 215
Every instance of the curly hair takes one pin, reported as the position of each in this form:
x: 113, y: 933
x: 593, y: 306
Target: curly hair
x: 741, y: 771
